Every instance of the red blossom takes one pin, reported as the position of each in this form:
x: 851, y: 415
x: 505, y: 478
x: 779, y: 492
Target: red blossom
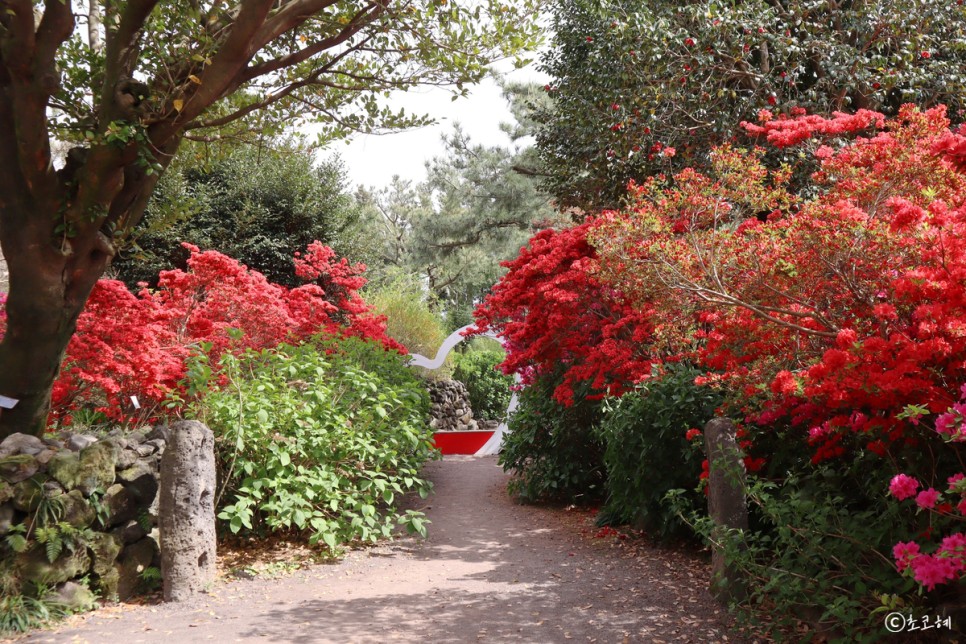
x: 136, y: 345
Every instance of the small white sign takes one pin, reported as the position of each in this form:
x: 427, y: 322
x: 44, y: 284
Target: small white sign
x: 8, y: 403
x: 134, y: 401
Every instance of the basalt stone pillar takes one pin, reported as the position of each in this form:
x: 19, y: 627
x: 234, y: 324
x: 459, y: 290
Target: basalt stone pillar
x: 187, y: 510
x: 726, y: 505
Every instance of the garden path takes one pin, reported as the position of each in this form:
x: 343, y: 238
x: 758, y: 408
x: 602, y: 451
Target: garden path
x: 491, y: 570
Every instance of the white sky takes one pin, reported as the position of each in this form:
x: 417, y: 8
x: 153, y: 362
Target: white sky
x: 372, y: 160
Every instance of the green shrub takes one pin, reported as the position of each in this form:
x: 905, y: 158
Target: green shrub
x: 489, y: 388
x: 553, y: 451
x: 314, y: 441
x: 820, y: 538
x: 646, y: 453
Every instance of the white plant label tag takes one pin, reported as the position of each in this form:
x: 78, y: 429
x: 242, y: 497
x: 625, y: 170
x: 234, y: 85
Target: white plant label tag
x: 8, y: 403
x: 134, y: 401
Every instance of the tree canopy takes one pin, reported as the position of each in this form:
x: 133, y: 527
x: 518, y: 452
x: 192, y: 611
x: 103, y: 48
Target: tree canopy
x: 477, y: 207
x: 125, y: 83
x: 648, y: 86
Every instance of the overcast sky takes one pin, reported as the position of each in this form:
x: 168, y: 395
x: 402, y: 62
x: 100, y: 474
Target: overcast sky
x: 372, y: 160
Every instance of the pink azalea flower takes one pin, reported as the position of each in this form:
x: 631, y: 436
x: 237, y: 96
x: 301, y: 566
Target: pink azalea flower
x: 904, y: 553
x: 927, y: 498
x: 903, y: 486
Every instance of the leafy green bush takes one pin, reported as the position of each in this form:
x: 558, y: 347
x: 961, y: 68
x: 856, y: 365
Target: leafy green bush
x: 553, y: 451
x: 647, y: 454
x: 489, y: 388
x: 314, y: 441
x: 819, y: 544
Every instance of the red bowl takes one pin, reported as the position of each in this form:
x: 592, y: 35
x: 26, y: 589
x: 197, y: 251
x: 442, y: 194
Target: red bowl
x: 468, y: 442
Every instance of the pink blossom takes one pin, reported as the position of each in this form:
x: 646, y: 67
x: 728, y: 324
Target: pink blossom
x: 819, y: 432
x: 950, y: 424
x: 903, y: 486
x: 927, y: 498
x: 954, y: 479
x: 954, y: 545
x: 929, y: 570
x: 904, y: 553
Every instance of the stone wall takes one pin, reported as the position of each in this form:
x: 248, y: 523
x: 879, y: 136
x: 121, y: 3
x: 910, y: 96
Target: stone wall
x: 96, y: 498
x: 450, y: 409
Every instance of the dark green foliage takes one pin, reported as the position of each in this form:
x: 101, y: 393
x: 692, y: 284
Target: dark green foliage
x: 627, y: 77
x: 553, y: 451
x: 317, y: 442
x: 259, y: 206
x: 647, y: 454
x: 478, y: 206
x: 489, y: 388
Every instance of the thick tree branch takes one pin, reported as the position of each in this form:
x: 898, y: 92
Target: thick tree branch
x: 120, y: 52
x: 360, y: 20
x: 311, y: 79
x: 232, y: 56
x: 55, y: 27
x: 17, y: 41
x: 290, y: 16
x: 29, y: 90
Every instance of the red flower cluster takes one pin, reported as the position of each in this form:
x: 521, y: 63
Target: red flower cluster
x: 128, y: 345
x: 552, y: 311
x: 836, y: 312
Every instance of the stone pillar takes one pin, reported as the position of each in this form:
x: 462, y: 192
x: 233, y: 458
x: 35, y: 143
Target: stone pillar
x: 187, y: 510
x: 726, y: 503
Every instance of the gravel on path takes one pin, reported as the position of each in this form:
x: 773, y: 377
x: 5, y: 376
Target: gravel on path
x: 491, y: 570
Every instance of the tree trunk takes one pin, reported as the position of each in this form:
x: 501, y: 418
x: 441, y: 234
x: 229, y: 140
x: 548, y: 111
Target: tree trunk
x: 48, y: 290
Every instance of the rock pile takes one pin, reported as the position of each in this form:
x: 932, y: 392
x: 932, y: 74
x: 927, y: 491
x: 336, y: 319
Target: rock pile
x: 97, y: 498
x: 450, y: 410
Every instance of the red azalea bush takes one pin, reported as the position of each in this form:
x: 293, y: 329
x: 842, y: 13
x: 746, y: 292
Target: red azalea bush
x: 835, y: 312
x: 839, y: 310
x: 553, y: 313
x: 135, y: 345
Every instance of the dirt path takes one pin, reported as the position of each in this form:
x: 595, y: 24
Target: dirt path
x: 490, y: 571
